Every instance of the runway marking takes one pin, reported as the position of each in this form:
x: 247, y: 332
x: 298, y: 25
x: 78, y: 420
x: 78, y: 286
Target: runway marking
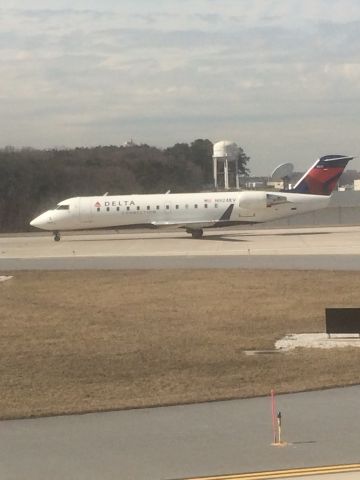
x: 291, y: 473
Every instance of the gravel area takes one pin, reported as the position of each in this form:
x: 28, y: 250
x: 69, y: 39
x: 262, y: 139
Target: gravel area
x: 317, y: 340
x: 4, y: 278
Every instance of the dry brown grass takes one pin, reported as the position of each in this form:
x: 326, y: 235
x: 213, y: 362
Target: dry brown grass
x: 83, y: 341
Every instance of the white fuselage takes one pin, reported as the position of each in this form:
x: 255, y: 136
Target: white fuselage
x: 189, y: 210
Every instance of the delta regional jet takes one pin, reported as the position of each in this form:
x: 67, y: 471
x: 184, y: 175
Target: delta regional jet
x: 196, y: 211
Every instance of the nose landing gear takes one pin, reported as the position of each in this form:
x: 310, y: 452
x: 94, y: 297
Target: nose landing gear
x: 57, y: 236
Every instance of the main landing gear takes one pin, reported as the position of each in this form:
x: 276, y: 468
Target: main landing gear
x: 198, y: 233
x: 57, y: 236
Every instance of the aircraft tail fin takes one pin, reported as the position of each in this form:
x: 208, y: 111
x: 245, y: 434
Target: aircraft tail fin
x: 322, y: 177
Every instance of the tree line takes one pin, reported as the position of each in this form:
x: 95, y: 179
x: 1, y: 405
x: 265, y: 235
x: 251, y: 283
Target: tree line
x: 32, y: 181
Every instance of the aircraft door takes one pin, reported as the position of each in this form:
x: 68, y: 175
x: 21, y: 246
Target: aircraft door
x: 85, y: 213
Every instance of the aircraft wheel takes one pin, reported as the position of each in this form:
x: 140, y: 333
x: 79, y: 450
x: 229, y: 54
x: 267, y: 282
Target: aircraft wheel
x: 57, y: 236
x: 197, y: 233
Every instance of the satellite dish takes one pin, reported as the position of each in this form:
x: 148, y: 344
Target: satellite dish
x: 285, y: 170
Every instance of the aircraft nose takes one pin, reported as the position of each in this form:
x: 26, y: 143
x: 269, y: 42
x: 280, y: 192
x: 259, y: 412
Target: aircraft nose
x: 34, y: 223
x: 37, y: 222
x: 42, y: 221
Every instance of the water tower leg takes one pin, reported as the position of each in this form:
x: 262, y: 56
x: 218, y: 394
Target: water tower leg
x: 226, y: 174
x: 215, y: 172
x: 237, y: 174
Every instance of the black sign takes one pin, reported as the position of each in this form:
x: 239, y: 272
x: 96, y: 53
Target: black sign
x: 342, y: 320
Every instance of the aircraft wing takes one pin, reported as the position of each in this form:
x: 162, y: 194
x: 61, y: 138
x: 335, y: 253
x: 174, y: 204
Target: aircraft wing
x: 193, y: 225
x: 196, y: 224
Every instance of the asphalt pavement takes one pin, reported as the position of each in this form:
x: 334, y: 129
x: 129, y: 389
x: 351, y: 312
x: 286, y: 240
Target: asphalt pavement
x: 218, y: 438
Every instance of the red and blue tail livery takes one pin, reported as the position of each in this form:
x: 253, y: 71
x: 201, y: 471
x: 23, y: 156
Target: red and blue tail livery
x: 322, y: 177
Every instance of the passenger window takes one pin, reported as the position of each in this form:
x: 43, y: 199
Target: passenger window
x: 148, y: 207
x: 177, y: 207
x: 98, y: 209
x: 205, y: 205
x: 157, y: 207
x: 117, y: 208
x: 167, y: 207
x: 138, y: 208
x: 108, y: 209
x: 127, y: 208
x: 195, y: 206
x: 216, y: 205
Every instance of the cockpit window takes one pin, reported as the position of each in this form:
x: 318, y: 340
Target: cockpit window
x: 63, y: 207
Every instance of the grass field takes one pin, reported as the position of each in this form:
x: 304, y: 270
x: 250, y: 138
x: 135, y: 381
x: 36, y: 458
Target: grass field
x: 85, y: 341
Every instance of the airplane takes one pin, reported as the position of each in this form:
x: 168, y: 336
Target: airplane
x: 196, y: 211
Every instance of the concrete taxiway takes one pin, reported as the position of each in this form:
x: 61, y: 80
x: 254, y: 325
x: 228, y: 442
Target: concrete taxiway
x: 320, y: 247
x: 188, y: 441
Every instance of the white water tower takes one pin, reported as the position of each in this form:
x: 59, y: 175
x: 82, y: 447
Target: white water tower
x: 227, y: 153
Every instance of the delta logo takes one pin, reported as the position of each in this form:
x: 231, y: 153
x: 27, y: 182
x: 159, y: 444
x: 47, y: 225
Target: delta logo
x: 115, y: 203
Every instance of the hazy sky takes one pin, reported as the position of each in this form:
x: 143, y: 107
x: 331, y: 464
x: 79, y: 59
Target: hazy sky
x: 279, y: 77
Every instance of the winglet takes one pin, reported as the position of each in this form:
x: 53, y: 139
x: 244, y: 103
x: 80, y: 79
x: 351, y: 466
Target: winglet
x: 227, y: 214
